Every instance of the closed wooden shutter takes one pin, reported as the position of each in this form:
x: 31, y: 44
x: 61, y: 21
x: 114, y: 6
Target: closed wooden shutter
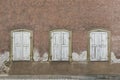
x: 17, y: 46
x: 60, y: 46
x: 21, y: 45
x: 26, y: 45
x: 98, y: 46
x: 65, y: 45
x: 56, y: 46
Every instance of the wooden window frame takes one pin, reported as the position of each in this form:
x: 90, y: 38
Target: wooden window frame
x: 109, y: 40
x: 31, y: 43
x: 70, y: 45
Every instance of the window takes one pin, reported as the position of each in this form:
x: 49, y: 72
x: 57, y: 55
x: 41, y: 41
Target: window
x: 60, y: 45
x: 99, y: 45
x: 21, y: 45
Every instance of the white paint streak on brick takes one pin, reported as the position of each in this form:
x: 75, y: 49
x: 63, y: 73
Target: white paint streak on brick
x: 114, y: 59
x: 45, y: 57
x: 36, y: 55
x: 75, y: 56
x: 82, y: 57
x: 4, y: 57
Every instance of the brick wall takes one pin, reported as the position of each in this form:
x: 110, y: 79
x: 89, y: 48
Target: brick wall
x: 42, y: 16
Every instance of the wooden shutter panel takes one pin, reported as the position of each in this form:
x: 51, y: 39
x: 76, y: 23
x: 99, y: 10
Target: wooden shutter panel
x: 56, y: 46
x: 17, y: 46
x: 104, y: 55
x: 92, y: 47
x: 26, y: 45
x: 98, y: 45
x: 65, y: 45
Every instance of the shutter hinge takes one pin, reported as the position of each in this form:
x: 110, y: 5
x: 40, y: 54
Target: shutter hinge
x: 51, y: 37
x: 50, y: 57
x: 69, y: 37
x: 70, y: 56
x: 12, y: 37
x: 30, y: 37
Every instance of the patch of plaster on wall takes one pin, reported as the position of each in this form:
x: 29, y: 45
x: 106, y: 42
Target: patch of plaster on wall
x: 4, y: 57
x: 114, y: 59
x: 82, y: 57
x: 36, y: 55
x: 44, y: 57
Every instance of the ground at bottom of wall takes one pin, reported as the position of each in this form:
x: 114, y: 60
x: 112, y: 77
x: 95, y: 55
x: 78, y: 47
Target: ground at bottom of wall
x: 59, y: 77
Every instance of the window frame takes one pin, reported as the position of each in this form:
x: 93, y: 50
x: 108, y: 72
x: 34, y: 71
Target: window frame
x: 108, y: 44
x: 31, y: 43
x: 70, y: 45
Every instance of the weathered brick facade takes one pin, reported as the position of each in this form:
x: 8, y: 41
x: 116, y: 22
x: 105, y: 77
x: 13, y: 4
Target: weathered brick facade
x: 78, y: 16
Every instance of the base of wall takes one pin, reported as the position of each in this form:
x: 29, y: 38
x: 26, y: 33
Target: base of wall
x: 62, y: 77
x: 63, y: 68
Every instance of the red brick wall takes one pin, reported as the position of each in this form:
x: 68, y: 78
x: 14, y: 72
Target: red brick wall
x: 41, y: 16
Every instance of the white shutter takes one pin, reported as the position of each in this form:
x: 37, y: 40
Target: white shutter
x: 65, y: 46
x: 60, y: 46
x: 21, y: 46
x: 56, y: 46
x: 26, y: 46
x: 92, y: 47
x: 104, y: 55
x: 17, y: 46
x: 98, y: 46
